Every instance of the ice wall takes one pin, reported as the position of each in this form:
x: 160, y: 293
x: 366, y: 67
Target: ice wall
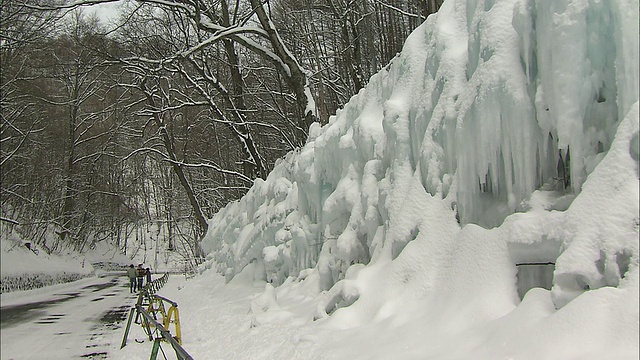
x: 490, y: 107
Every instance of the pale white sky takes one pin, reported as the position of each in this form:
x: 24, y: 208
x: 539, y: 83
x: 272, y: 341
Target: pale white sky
x: 107, y: 12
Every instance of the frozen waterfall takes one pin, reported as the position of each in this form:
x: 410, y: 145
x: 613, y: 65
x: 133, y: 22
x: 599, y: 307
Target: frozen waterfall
x: 494, y: 127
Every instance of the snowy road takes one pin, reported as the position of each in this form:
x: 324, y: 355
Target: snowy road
x: 73, y: 321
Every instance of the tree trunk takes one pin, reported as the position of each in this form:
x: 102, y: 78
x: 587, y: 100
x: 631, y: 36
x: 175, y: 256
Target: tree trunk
x: 176, y: 166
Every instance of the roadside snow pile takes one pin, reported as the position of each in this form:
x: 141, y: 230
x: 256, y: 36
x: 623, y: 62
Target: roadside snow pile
x: 35, y: 281
x: 500, y: 145
x: 25, y: 267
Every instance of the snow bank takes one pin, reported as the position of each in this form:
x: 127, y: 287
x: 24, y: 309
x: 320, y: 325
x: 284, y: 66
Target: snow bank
x: 505, y: 134
x: 23, y: 268
x: 18, y: 259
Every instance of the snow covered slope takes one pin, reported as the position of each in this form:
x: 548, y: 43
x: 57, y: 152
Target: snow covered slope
x: 505, y: 134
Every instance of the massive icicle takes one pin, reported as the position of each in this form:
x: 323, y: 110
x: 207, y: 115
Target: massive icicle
x: 488, y: 102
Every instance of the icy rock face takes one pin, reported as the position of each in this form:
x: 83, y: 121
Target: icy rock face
x: 489, y: 103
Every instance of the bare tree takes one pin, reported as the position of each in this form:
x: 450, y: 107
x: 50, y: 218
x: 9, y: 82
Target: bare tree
x: 177, y: 110
x: 20, y: 117
x: 57, y: 176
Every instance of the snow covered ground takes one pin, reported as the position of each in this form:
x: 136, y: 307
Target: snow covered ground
x: 248, y: 319
x: 217, y: 323
x: 241, y: 320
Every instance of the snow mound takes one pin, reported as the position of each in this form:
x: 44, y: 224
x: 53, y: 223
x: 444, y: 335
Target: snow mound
x: 24, y: 266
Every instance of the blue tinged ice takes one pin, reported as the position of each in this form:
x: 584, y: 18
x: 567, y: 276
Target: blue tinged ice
x: 497, y: 123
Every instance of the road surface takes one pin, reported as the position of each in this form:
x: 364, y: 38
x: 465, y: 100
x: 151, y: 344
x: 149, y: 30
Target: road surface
x: 77, y: 323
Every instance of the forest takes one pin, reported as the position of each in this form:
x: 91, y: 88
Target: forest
x: 167, y: 113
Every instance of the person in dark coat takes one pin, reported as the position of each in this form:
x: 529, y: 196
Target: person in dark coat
x: 148, y: 275
x: 140, y: 274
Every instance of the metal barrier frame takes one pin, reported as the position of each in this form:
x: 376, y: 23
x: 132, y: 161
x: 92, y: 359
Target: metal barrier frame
x: 156, y: 284
x: 167, y: 315
x: 149, y: 321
